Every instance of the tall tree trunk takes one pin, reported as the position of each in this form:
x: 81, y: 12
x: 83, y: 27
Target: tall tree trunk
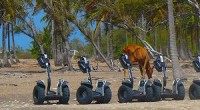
x: 66, y: 56
x: 13, y: 43
x: 192, y: 39
x: 107, y: 44
x: 54, y: 36
x: 186, y: 40
x: 40, y: 47
x: 160, y: 40
x: 155, y: 40
x: 99, y: 42
x: 181, y: 51
x: 126, y: 39
x: 173, y: 49
x: 56, y: 51
x: 178, y: 40
x: 5, y: 57
x: 111, y: 46
x: 167, y: 43
x: 9, y: 50
x: 196, y: 23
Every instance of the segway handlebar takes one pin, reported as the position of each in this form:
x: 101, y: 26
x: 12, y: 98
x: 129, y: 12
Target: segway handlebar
x: 84, y: 65
x: 125, y: 62
x: 43, y: 61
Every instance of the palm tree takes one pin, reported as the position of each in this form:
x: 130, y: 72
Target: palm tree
x: 173, y: 48
x: 9, y: 49
x: 5, y: 62
x: 13, y: 44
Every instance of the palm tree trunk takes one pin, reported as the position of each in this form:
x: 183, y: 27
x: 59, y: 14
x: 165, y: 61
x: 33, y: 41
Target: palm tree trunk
x: 181, y: 40
x: 107, y: 44
x: 9, y: 50
x: 13, y: 43
x: 167, y: 43
x: 5, y: 57
x: 56, y: 50
x: 196, y: 18
x: 66, y: 56
x: 98, y: 41
x: 173, y: 48
x: 160, y: 40
x: 155, y: 40
x: 111, y: 43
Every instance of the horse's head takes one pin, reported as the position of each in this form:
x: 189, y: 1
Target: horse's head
x: 126, y: 50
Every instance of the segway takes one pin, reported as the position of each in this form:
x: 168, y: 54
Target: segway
x: 85, y: 94
x: 126, y: 93
x: 39, y: 93
x: 194, y: 90
x: 178, y: 90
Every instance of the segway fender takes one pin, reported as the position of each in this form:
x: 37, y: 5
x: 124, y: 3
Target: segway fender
x: 149, y: 83
x: 157, y: 82
x: 127, y: 83
x: 65, y: 83
x: 107, y: 84
x: 196, y: 82
x: 87, y: 84
x: 176, y: 83
x: 41, y: 83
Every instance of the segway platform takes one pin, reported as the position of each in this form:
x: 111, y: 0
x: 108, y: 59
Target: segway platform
x: 85, y: 93
x: 194, y: 90
x: 177, y: 92
x: 39, y: 93
x: 126, y: 93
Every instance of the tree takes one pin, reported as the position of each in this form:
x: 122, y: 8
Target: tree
x: 9, y: 44
x: 5, y: 62
x: 13, y: 44
x: 173, y: 48
x: 46, y: 44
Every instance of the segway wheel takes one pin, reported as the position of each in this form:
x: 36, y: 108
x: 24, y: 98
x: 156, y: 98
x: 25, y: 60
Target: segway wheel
x: 84, y: 95
x: 125, y: 94
x: 38, y: 95
x: 194, y: 91
x: 65, y: 96
x: 149, y: 94
x: 181, y: 92
x: 107, y: 96
x: 156, y: 93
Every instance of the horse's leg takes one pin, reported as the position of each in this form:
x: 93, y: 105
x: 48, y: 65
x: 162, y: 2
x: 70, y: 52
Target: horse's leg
x: 142, y: 71
x: 148, y: 73
x: 145, y: 66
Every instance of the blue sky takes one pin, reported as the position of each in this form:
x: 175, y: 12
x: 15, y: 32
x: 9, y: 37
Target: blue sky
x: 25, y: 42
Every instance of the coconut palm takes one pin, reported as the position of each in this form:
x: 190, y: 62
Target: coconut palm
x: 173, y: 48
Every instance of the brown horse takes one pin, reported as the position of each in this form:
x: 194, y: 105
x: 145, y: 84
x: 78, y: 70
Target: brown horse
x: 139, y: 54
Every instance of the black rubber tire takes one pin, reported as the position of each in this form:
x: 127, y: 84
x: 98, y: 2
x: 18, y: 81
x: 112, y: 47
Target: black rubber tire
x: 107, y: 96
x: 65, y: 96
x: 156, y: 92
x: 194, y: 91
x: 125, y: 94
x: 181, y: 92
x: 149, y: 94
x: 38, y: 95
x: 84, y: 95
